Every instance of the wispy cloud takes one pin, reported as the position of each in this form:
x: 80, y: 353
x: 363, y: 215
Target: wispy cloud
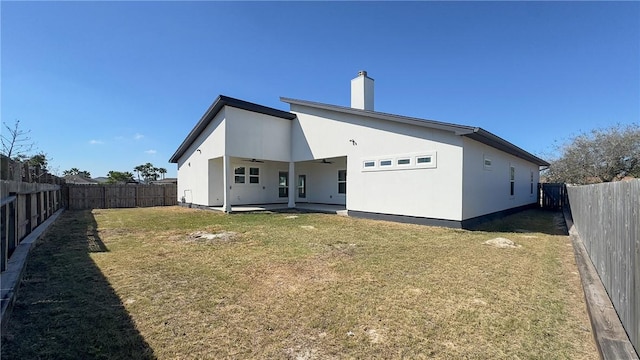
x: 138, y: 136
x: 150, y: 152
x: 95, y: 142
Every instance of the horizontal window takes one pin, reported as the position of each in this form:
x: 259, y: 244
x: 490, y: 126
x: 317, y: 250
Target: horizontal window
x: 369, y: 164
x: 386, y: 163
x: 423, y: 160
x: 404, y: 161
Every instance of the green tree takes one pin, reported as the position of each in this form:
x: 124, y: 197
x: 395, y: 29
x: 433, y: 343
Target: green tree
x: 40, y: 160
x: 115, y: 177
x: 162, y: 172
x: 138, y: 170
x: 602, y: 155
x: 148, y: 172
x: 78, y: 172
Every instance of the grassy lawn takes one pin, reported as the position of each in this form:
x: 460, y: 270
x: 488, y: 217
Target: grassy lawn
x: 133, y: 283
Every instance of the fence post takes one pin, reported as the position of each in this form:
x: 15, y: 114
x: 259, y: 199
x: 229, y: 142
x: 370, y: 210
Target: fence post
x: 4, y: 239
x: 13, y: 221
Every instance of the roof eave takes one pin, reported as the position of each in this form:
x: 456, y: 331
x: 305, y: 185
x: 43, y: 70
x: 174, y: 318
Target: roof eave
x: 499, y: 143
x: 472, y: 132
x: 455, y: 128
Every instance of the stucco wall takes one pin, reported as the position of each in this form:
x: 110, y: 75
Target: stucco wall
x: 193, y: 166
x: 487, y: 189
x: 425, y: 192
x: 257, y: 136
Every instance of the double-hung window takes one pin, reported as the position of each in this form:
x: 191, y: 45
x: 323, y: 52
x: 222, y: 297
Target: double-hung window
x: 239, y: 173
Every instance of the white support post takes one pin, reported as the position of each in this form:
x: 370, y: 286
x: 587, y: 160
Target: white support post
x: 226, y: 169
x: 293, y: 186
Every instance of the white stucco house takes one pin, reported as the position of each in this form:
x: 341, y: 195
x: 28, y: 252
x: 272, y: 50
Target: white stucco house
x: 376, y: 165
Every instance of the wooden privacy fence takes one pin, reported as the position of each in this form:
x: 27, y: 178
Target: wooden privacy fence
x: 607, y: 217
x: 119, y: 196
x: 24, y: 206
x: 553, y: 196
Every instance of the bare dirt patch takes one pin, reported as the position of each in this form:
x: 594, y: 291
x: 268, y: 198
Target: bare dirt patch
x: 502, y: 243
x: 207, y: 237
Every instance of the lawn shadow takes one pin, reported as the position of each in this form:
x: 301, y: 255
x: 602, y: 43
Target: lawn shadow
x: 530, y: 220
x: 65, y: 307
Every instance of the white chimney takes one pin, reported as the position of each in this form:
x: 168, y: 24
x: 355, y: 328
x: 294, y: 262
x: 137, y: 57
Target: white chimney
x: 362, y: 92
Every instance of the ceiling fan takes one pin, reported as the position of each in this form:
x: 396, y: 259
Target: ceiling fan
x: 253, y: 160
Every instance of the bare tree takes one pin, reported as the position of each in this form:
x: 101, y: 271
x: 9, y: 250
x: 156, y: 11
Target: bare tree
x: 15, y: 141
x: 602, y: 155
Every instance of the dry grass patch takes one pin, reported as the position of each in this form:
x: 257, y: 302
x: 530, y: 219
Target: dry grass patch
x: 314, y: 287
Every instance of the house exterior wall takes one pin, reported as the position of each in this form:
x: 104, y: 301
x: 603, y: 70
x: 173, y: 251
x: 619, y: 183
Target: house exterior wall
x: 216, y: 182
x: 193, y: 166
x: 433, y: 192
x: 486, y: 189
x: 254, y: 135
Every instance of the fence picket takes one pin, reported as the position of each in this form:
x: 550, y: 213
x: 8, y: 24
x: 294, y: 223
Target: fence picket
x: 607, y: 217
x: 120, y: 196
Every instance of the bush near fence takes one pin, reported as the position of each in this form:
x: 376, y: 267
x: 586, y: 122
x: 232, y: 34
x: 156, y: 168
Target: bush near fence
x: 119, y: 196
x: 607, y: 217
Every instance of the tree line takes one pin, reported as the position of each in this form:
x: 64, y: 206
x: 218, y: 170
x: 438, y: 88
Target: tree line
x: 601, y: 155
x: 145, y: 174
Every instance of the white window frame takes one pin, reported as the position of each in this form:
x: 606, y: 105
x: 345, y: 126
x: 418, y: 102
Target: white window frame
x: 237, y: 176
x: 512, y: 181
x: 342, y: 182
x: 392, y: 162
x: 432, y: 164
x: 286, y: 185
x: 246, y: 175
x: 532, y: 190
x: 486, y: 166
x: 251, y: 176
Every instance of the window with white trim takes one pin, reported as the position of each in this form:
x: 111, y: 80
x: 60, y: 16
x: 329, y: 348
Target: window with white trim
x: 404, y: 161
x: 386, y: 162
x: 283, y: 184
x: 512, y: 180
x: 487, y: 163
x: 423, y: 159
x: 239, y: 175
x: 254, y: 175
x: 369, y: 164
x: 531, y: 192
x: 342, y: 182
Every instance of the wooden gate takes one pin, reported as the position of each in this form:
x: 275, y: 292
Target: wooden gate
x: 553, y: 196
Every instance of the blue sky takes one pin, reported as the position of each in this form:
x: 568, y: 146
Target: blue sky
x: 111, y: 85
